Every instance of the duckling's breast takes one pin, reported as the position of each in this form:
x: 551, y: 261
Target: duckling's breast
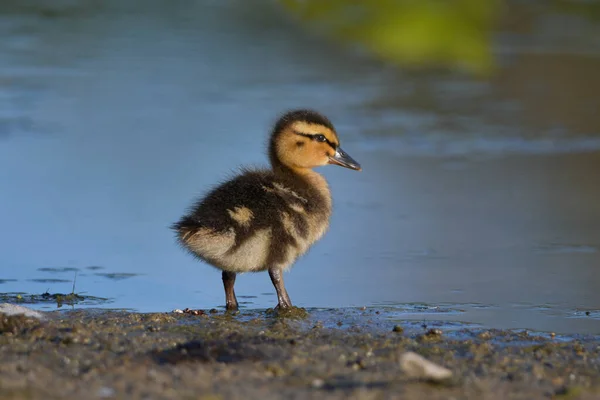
x: 256, y: 221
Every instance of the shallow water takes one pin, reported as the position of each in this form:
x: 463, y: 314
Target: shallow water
x: 479, y: 198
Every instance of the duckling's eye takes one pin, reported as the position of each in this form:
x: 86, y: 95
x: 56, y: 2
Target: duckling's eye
x: 320, y: 138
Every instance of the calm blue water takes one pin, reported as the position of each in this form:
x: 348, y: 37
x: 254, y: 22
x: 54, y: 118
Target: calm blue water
x: 479, y: 197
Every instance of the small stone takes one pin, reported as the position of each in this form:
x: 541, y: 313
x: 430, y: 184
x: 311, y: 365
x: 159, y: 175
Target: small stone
x: 398, y: 329
x: 434, y: 332
x: 105, y: 392
x: 485, y: 335
x: 416, y: 366
x: 14, y: 309
x: 193, y: 312
x: 558, y: 381
x: 177, y: 311
x: 318, y: 383
x: 213, y: 311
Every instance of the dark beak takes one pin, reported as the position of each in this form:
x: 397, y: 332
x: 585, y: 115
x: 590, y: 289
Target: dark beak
x: 341, y: 158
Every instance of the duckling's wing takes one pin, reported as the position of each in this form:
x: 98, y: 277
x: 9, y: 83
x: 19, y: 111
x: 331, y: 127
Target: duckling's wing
x: 247, y: 200
x: 245, y: 223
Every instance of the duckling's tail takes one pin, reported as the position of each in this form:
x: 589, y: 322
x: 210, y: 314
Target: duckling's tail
x: 185, y: 228
x: 203, y: 242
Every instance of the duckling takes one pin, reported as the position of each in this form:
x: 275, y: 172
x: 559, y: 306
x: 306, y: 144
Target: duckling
x: 265, y: 219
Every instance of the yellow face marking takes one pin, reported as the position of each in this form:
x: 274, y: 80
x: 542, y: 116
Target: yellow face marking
x: 312, y: 153
x: 241, y: 215
x: 315, y: 129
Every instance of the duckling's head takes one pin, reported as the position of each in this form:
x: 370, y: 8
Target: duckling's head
x: 304, y: 139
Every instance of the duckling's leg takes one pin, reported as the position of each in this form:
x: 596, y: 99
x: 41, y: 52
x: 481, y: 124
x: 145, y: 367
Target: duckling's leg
x: 228, y: 282
x: 282, y: 296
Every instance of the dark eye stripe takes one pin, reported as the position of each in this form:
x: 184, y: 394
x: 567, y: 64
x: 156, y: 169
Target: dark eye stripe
x: 313, y: 137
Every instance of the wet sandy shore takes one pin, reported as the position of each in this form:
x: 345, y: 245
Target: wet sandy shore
x: 107, y: 354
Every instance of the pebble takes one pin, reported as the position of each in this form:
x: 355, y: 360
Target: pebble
x: 318, y: 383
x: 434, y: 332
x: 419, y: 367
x: 398, y: 328
x: 15, y: 309
x: 105, y: 392
x: 486, y: 335
x: 189, y: 311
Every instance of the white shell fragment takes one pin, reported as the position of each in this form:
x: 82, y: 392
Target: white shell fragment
x: 416, y: 366
x: 15, y: 309
x: 177, y: 311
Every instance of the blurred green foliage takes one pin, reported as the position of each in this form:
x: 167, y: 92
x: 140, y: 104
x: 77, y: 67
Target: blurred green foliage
x: 434, y: 33
x: 453, y: 34
x: 589, y: 9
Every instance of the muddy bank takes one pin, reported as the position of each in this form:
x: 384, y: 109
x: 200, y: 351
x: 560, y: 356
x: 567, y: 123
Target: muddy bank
x: 339, y: 354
